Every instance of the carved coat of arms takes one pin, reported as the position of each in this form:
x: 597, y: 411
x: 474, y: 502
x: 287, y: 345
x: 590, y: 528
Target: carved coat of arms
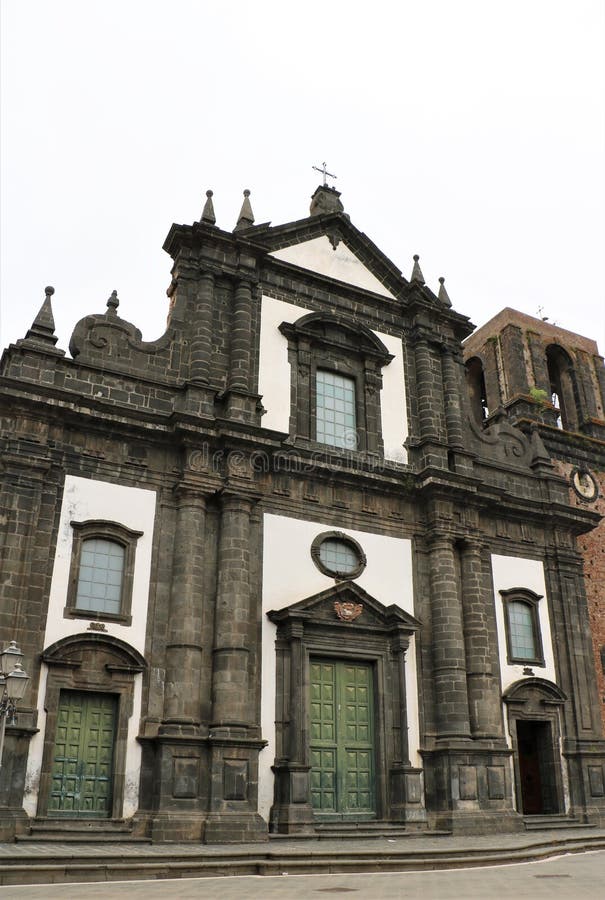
x: 347, y: 611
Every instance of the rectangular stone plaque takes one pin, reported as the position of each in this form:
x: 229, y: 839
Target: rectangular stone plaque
x: 597, y: 784
x: 413, y: 788
x: 468, y: 782
x: 495, y: 782
x: 185, y: 776
x: 235, y: 779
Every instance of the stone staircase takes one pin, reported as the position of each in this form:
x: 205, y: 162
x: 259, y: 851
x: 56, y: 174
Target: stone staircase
x: 82, y: 831
x: 557, y: 820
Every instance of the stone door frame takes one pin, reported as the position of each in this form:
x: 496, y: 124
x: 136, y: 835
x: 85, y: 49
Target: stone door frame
x: 94, y: 663
x: 378, y: 636
x: 537, y: 700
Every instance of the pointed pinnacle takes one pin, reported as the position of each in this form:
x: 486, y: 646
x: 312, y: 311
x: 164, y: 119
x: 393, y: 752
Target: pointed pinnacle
x: 417, y: 271
x: 443, y: 295
x: 246, y: 216
x: 208, y: 212
x: 43, y: 327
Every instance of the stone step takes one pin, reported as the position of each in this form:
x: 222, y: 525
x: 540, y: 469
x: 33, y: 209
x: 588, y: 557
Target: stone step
x: 548, y: 822
x: 31, y: 867
x: 82, y: 831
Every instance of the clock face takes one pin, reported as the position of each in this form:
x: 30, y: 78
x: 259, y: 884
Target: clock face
x: 585, y: 484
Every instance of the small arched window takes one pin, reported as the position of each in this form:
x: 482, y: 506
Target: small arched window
x: 476, y: 389
x: 522, y: 621
x: 562, y: 387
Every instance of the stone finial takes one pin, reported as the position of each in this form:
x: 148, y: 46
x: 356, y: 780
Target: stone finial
x: 246, y: 216
x: 112, y: 304
x: 325, y: 200
x: 42, y: 329
x: 443, y: 295
x: 208, y: 217
x: 540, y: 461
x: 417, y: 271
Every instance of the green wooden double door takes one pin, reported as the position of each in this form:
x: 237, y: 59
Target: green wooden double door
x: 342, y: 748
x: 82, y: 773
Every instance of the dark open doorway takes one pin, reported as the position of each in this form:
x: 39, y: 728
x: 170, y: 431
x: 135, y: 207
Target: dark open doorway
x: 536, y: 768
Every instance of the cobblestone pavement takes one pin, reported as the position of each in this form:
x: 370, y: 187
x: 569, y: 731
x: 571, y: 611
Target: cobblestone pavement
x: 571, y: 877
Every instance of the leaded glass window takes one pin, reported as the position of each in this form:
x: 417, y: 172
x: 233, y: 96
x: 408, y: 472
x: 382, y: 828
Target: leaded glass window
x: 100, y: 576
x: 521, y: 630
x: 335, y: 416
x: 338, y: 556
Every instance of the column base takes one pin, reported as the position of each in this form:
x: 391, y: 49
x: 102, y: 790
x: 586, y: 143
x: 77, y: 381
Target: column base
x: 13, y: 822
x: 469, y: 790
x: 291, y: 812
x: 235, y: 828
x: 177, y: 827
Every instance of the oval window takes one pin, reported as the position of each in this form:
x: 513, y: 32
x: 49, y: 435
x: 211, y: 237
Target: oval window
x: 338, y: 555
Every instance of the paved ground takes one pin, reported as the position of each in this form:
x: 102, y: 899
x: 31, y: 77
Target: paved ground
x: 571, y: 877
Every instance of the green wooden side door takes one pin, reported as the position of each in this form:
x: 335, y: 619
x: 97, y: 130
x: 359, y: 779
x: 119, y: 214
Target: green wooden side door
x: 81, y: 785
x: 342, y: 740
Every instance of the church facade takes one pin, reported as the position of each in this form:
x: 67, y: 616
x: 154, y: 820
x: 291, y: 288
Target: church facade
x: 273, y: 572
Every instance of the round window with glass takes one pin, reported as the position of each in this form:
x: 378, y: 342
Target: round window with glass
x: 338, y: 555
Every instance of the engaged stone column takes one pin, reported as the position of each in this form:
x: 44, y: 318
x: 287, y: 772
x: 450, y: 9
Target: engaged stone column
x: 481, y: 649
x: 399, y: 647
x: 426, y: 390
x: 239, y: 373
x: 453, y: 414
x: 184, y: 647
x: 449, y: 664
x: 230, y: 701
x: 201, y: 340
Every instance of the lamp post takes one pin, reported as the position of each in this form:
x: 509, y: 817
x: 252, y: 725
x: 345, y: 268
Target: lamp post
x: 13, y: 682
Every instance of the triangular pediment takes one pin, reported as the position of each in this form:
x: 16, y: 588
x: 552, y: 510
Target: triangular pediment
x: 333, y: 258
x: 347, y: 603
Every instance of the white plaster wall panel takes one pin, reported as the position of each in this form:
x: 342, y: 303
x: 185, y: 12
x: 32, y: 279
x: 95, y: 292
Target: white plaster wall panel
x: 274, y: 377
x: 134, y: 753
x: 85, y: 499
x: 36, y: 748
x: 290, y: 575
x: 319, y: 256
x: 513, y: 572
x: 393, y: 409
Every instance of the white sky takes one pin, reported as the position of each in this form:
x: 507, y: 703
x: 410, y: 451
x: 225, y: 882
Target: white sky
x: 471, y: 132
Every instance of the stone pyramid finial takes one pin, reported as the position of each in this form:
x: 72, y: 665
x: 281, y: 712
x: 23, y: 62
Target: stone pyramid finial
x: 541, y: 461
x: 112, y: 304
x: 246, y: 216
x: 208, y: 216
x: 42, y: 330
x: 443, y: 295
x: 417, y: 271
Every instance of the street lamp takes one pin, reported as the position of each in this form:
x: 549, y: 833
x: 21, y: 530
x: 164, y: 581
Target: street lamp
x: 13, y: 682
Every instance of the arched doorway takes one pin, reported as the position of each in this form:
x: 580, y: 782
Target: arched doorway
x: 89, y: 701
x: 534, y: 726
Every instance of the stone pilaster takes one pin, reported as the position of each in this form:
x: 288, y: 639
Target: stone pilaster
x: 484, y: 698
x: 240, y: 402
x: 184, y: 647
x: 233, y: 736
x: 451, y: 364
x: 292, y: 811
x: 429, y: 402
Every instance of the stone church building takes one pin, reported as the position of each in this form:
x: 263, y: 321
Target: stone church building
x: 313, y: 559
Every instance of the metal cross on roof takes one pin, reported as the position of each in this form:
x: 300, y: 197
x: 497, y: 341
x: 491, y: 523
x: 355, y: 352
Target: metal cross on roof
x: 324, y: 172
